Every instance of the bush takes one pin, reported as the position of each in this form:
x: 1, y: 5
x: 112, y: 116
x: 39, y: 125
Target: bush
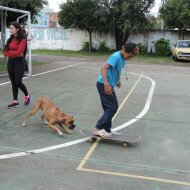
x: 3, y: 65
x: 162, y: 47
x: 85, y: 46
x: 143, y: 49
x: 103, y: 47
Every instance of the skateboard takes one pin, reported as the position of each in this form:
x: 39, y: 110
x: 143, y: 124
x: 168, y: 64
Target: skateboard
x: 124, y: 138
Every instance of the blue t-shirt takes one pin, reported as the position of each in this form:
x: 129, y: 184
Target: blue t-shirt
x: 117, y: 63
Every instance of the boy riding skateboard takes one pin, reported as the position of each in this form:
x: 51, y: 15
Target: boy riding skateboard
x: 107, y: 80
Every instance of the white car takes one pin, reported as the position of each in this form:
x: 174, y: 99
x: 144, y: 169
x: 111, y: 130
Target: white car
x: 181, y: 50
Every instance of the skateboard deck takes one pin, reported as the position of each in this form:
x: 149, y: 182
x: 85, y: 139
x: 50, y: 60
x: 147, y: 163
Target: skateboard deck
x: 124, y: 138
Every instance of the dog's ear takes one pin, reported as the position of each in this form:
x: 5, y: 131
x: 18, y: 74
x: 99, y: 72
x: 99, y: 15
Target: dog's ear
x: 63, y: 120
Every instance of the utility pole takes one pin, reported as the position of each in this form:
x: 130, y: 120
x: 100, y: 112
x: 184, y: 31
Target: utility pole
x: 162, y: 21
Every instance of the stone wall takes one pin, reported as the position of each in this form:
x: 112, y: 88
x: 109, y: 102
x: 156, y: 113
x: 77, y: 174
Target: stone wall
x: 152, y: 36
x: 68, y: 39
x: 71, y: 39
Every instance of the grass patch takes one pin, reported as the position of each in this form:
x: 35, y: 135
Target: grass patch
x: 142, y: 58
x: 105, y: 55
x: 153, y: 59
x: 35, y: 63
x: 165, y: 60
x: 3, y: 65
x: 71, y: 53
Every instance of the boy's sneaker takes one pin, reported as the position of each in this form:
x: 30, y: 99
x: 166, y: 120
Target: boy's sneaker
x: 13, y: 104
x: 102, y: 133
x: 27, y: 99
x: 115, y: 133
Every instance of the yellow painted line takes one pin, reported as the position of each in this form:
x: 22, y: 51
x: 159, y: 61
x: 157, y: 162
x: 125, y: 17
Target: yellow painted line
x: 91, y: 150
x: 87, y: 156
x: 137, y: 177
x: 127, y: 97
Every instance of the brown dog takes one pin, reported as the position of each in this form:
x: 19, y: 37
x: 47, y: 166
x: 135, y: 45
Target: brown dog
x: 51, y: 115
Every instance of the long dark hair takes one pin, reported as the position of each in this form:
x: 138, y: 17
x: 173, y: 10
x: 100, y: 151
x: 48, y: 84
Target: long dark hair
x: 19, y: 36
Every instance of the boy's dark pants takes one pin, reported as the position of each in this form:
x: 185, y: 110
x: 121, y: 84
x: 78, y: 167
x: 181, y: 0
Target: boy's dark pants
x: 109, y: 105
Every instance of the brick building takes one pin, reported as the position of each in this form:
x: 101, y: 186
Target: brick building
x: 53, y: 20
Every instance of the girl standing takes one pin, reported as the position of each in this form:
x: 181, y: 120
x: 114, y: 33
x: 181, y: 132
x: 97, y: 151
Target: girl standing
x: 14, y: 50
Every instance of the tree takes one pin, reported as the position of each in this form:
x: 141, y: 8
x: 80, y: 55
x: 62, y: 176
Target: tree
x: 176, y: 14
x: 8, y: 16
x: 121, y: 16
x: 82, y: 14
x: 126, y: 17
x: 30, y: 5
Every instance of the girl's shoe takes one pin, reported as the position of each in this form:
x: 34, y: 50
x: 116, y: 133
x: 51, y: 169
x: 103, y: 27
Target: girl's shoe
x: 27, y: 100
x: 13, y: 104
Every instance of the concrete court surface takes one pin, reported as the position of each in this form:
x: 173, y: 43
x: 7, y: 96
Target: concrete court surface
x: 154, y: 103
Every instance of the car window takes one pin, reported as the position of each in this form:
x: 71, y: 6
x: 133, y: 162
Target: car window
x: 183, y: 44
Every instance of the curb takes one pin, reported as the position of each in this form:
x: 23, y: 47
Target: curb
x: 3, y: 75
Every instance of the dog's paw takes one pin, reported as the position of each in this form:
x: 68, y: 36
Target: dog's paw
x: 60, y: 133
x: 45, y: 122
x: 23, y: 125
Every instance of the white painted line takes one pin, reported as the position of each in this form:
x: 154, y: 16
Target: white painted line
x: 13, y: 155
x: 1, y: 84
x: 35, y: 151
x: 58, y: 69
x: 43, y: 149
x: 60, y: 145
x: 145, y: 109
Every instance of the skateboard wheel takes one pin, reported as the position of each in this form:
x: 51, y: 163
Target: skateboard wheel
x: 92, y: 140
x: 125, y: 144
